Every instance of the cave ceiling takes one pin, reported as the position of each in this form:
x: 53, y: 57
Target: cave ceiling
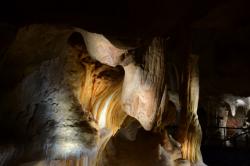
x: 130, y: 18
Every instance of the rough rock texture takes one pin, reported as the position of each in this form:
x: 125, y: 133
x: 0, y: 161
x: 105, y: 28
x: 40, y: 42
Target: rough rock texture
x: 144, y: 79
x: 70, y: 91
x: 189, y: 133
x: 144, y: 83
x: 101, y: 49
x: 41, y: 108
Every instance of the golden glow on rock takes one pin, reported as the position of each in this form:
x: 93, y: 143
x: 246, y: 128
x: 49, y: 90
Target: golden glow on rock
x: 104, y: 112
x: 101, y: 93
x: 189, y: 133
x: 109, y: 94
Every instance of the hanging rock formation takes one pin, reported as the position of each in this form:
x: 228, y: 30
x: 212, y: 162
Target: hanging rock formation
x: 67, y: 92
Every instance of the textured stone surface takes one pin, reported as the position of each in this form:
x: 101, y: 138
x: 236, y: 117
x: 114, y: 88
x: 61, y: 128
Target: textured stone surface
x: 144, y: 83
x: 65, y: 85
x: 41, y: 109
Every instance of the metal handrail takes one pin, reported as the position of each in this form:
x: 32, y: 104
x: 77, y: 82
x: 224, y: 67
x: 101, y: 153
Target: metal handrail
x: 237, y: 135
x: 228, y: 127
x: 246, y: 131
x: 210, y: 138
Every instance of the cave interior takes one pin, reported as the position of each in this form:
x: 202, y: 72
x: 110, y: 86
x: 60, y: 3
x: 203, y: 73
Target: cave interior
x: 125, y: 83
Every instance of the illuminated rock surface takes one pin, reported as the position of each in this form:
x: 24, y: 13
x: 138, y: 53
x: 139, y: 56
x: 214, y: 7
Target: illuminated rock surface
x: 73, y: 90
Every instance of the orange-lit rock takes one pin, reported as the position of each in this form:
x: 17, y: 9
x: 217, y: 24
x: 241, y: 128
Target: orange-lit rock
x: 68, y: 91
x: 144, y: 84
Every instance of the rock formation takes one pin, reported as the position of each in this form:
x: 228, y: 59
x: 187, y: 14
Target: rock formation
x: 68, y: 91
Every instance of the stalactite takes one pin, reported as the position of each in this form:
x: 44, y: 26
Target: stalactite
x: 145, y: 83
x: 189, y: 133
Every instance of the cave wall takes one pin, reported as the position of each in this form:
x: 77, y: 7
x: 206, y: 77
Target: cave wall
x: 91, y: 84
x: 220, y: 32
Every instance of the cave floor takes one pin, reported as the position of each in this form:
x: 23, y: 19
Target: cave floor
x: 225, y: 156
